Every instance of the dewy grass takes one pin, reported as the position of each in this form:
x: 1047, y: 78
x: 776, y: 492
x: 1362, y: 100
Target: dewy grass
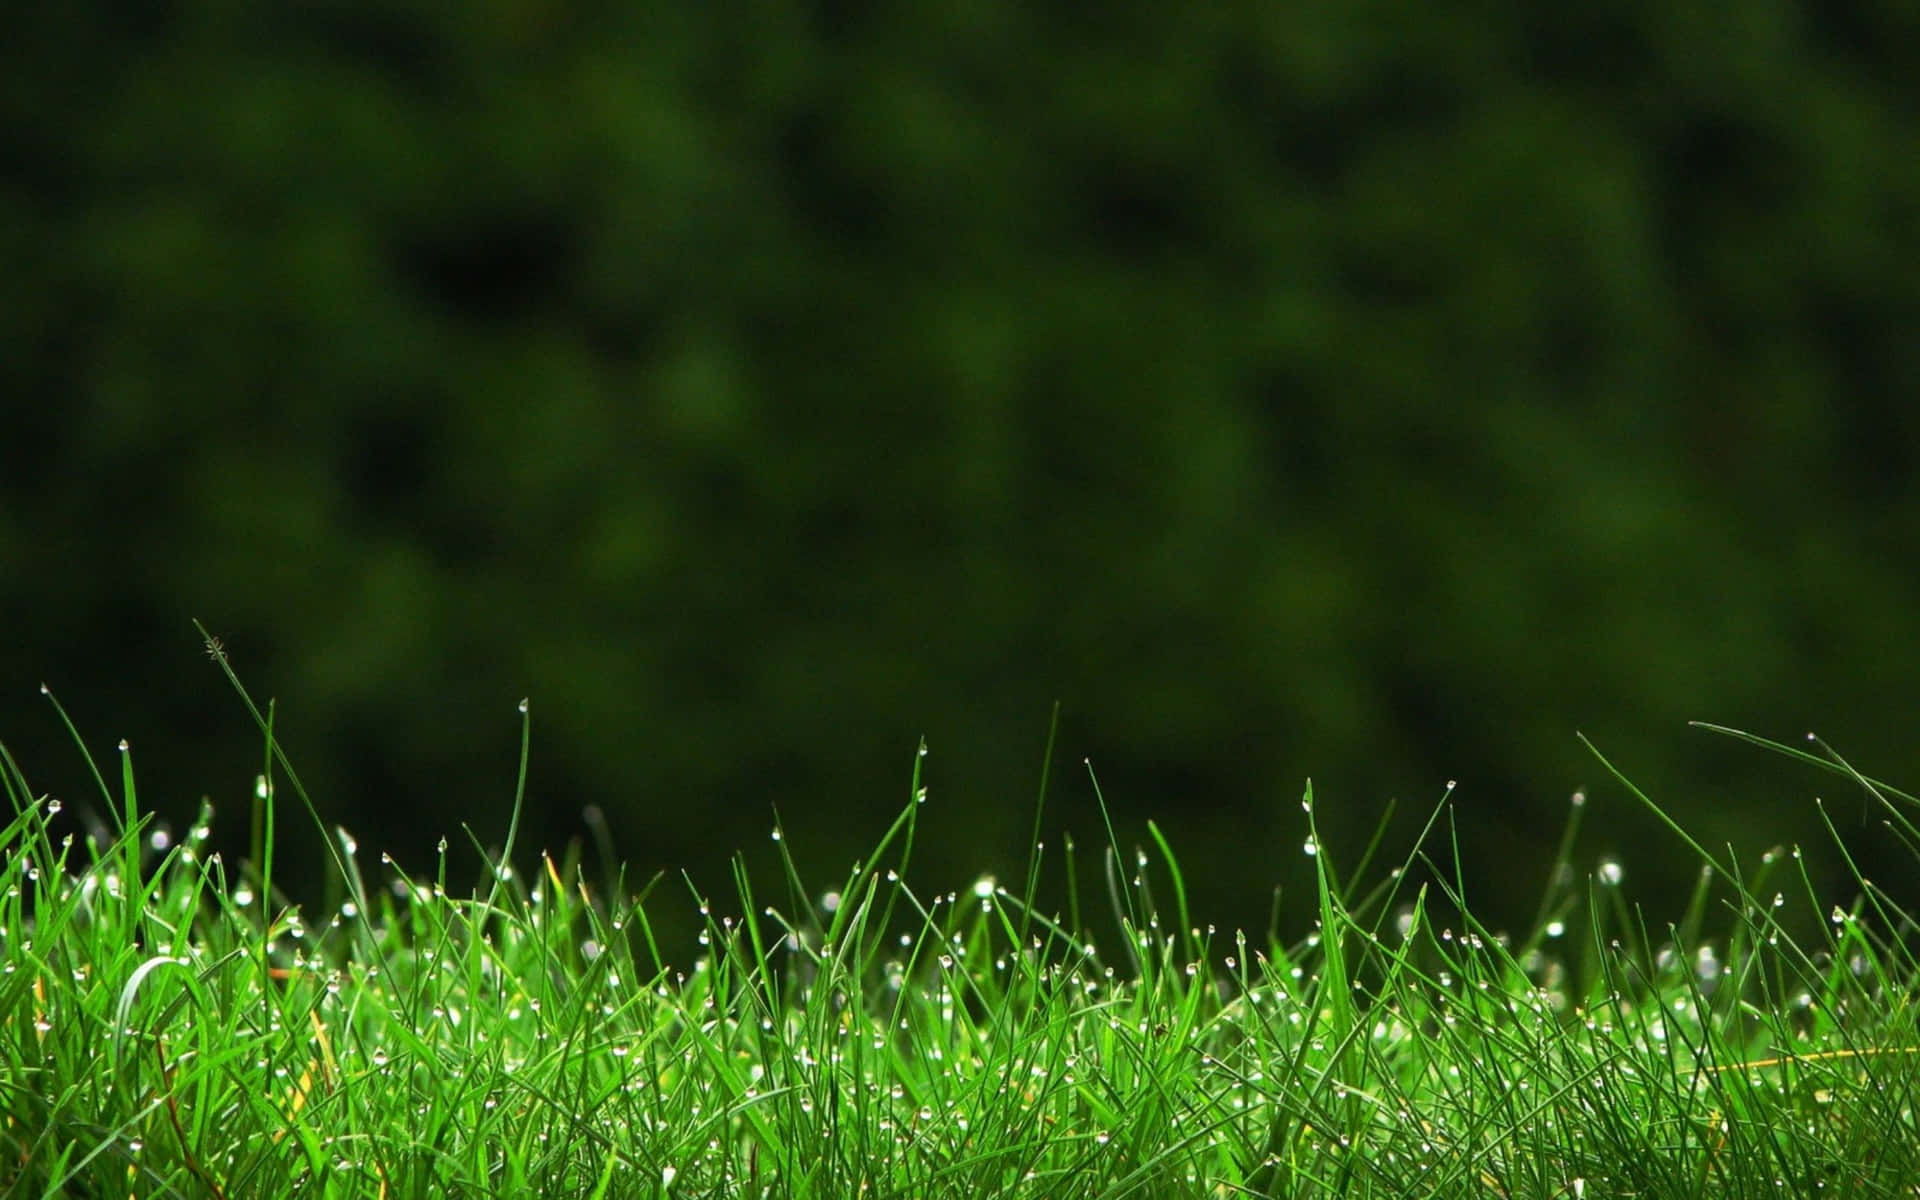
x: 169, y: 1028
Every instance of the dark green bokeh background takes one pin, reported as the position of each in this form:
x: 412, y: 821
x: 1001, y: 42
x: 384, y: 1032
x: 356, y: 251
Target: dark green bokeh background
x: 1378, y: 392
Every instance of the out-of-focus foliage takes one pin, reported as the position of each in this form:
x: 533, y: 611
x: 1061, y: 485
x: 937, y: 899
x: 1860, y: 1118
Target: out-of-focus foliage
x: 1380, y: 392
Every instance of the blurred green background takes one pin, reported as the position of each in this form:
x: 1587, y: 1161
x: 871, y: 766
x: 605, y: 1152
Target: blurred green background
x: 1375, y: 392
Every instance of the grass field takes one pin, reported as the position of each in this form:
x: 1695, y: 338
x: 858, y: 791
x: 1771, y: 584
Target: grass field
x: 170, y: 1027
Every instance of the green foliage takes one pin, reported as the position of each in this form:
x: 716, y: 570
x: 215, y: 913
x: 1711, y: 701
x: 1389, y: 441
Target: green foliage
x: 1381, y: 389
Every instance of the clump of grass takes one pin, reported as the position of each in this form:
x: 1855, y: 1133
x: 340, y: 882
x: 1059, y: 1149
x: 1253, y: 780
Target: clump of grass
x: 170, y: 1029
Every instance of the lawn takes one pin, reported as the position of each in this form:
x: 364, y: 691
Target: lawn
x: 170, y: 1026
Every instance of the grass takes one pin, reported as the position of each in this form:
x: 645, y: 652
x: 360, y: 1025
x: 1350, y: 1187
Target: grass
x: 169, y: 1027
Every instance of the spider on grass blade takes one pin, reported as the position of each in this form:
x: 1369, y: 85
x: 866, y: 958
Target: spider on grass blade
x: 216, y: 649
